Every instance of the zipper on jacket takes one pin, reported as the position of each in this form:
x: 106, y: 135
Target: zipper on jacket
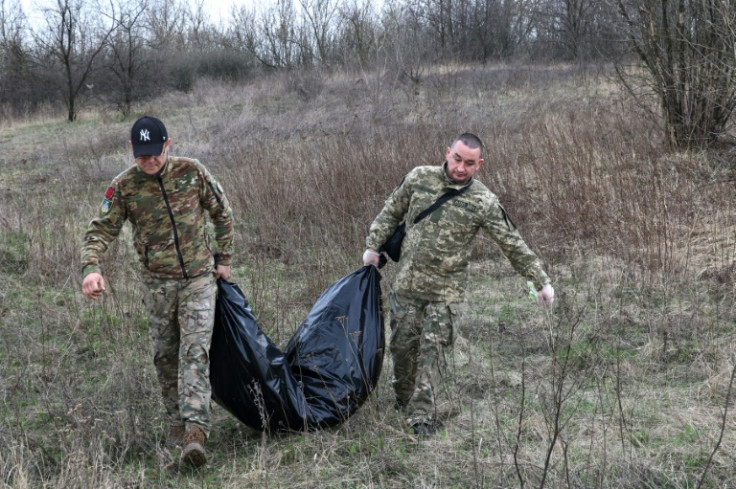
x: 173, y: 224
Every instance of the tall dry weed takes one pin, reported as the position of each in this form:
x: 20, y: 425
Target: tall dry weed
x: 625, y: 383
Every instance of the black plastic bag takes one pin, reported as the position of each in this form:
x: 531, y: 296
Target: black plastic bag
x: 328, y: 369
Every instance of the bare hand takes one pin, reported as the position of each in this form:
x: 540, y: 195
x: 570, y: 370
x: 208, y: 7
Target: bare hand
x: 546, y: 296
x: 93, y: 286
x: 371, y: 257
x: 223, y: 272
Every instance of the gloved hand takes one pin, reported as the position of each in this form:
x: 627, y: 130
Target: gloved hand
x: 546, y: 296
x: 371, y: 257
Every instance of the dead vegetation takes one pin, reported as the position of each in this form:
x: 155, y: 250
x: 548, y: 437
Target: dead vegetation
x: 627, y: 383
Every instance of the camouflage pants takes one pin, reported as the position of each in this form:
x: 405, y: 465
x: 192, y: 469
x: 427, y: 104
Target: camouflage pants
x: 181, y: 316
x: 422, y: 334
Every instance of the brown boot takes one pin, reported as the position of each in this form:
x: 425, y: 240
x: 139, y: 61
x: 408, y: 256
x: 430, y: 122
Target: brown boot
x: 175, y: 436
x: 193, y: 453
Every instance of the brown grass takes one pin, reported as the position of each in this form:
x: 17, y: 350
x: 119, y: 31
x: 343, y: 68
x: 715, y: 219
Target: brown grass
x: 626, y: 383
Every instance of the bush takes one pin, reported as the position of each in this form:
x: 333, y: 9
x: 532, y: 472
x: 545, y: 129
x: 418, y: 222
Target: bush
x: 227, y: 65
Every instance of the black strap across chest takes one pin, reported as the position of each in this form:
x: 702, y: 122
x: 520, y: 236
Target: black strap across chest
x: 443, y: 198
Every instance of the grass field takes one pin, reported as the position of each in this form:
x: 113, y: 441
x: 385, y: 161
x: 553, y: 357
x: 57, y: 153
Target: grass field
x: 626, y: 383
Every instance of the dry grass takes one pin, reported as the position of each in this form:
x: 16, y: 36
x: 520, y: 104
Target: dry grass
x: 626, y: 383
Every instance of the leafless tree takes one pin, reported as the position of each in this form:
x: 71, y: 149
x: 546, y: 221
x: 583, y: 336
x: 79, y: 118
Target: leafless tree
x: 358, y: 32
x: 12, y: 22
x: 202, y: 34
x: 73, y: 39
x: 15, y: 69
x: 242, y: 29
x: 408, y: 45
x: 500, y: 27
x: 475, y: 30
x: 166, y: 23
x: 568, y: 24
x: 436, y: 15
x: 275, y: 38
x: 321, y: 19
x: 686, y: 49
x: 127, y: 58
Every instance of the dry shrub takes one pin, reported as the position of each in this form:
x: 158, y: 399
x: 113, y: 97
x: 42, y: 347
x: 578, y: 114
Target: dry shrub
x: 640, y: 246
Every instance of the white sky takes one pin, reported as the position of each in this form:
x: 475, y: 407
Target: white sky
x: 217, y: 9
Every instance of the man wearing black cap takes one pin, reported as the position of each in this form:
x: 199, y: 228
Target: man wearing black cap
x: 165, y: 198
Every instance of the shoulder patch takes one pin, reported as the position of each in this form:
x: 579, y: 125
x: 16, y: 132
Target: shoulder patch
x: 107, y: 201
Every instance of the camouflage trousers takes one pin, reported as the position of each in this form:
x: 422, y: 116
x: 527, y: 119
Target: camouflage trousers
x: 422, y: 336
x: 181, y: 316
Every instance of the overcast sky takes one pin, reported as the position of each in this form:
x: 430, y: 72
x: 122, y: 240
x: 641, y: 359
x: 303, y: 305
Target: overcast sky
x: 218, y: 9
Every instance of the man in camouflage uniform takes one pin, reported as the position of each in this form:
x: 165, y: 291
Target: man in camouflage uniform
x: 432, y: 274
x: 165, y: 198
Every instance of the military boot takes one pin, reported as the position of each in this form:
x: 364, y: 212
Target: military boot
x: 193, y: 453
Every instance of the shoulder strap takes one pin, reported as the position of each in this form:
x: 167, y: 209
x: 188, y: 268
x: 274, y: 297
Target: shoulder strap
x: 444, y: 198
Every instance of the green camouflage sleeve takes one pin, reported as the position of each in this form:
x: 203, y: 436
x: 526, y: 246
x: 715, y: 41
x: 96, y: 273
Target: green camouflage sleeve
x: 506, y: 235
x: 394, y: 209
x: 213, y: 199
x: 103, y: 229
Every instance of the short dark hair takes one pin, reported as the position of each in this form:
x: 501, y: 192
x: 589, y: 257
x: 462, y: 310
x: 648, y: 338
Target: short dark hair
x: 470, y: 140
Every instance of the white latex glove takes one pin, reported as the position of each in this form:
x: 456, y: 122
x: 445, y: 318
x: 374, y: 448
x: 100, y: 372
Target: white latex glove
x: 546, y: 296
x: 370, y: 257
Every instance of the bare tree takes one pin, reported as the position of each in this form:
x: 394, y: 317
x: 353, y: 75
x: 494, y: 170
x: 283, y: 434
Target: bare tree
x: 15, y: 69
x: 321, y: 19
x: 166, y: 23
x: 497, y: 28
x: 406, y: 47
x: 475, y: 30
x: 357, y: 34
x: 568, y: 24
x: 127, y: 54
x: 242, y: 29
x: 274, y: 38
x: 202, y: 33
x: 517, y: 25
x: 12, y: 22
x: 436, y: 15
x: 73, y: 40
x: 686, y: 47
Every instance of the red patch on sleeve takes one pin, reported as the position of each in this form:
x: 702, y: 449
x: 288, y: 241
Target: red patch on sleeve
x: 109, y: 193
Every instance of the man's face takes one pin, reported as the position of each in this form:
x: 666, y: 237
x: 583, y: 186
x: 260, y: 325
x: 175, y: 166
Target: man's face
x: 153, y: 164
x: 462, y: 162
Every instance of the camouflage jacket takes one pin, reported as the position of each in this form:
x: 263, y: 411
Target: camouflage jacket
x: 436, y: 250
x: 166, y: 211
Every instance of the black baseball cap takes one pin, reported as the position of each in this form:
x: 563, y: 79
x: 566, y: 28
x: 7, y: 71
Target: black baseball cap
x: 148, y: 136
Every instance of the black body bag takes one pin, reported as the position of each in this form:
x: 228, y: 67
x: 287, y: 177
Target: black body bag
x: 328, y: 369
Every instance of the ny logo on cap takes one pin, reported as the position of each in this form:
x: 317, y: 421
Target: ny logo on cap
x: 145, y: 135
